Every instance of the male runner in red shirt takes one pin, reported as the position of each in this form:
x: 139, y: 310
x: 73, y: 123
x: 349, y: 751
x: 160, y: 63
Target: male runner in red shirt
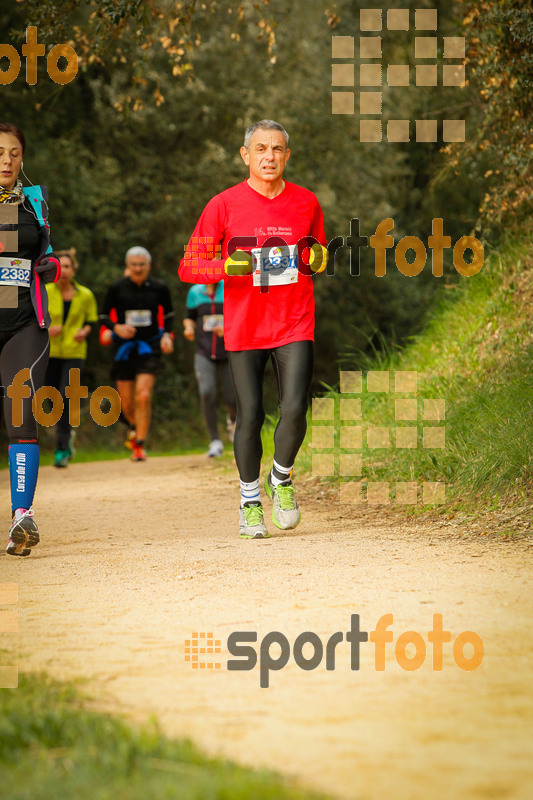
x: 265, y: 237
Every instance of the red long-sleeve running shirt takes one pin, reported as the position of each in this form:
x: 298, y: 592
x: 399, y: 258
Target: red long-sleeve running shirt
x: 258, y: 317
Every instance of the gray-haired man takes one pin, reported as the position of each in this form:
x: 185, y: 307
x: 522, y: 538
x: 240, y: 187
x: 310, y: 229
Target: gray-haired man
x: 138, y: 310
x: 265, y: 238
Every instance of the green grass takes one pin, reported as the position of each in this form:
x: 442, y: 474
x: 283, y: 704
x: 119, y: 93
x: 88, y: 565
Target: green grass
x: 51, y: 746
x: 87, y: 454
x: 94, y: 443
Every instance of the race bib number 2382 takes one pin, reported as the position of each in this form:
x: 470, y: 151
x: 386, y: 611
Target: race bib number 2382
x: 15, y: 271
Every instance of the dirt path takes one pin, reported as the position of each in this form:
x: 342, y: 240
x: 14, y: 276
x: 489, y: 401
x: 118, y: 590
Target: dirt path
x: 134, y: 558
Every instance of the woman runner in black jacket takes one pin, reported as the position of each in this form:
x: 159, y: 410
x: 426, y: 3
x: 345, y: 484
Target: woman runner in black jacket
x: 26, y: 263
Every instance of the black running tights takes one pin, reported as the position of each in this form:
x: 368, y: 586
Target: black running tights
x: 293, y: 366
x: 26, y: 347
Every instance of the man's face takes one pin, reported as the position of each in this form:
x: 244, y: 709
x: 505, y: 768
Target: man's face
x: 139, y: 268
x: 266, y: 155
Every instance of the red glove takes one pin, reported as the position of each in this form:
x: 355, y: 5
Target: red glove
x: 49, y: 269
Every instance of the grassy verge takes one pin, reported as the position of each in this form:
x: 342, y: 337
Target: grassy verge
x: 476, y: 354
x: 51, y: 746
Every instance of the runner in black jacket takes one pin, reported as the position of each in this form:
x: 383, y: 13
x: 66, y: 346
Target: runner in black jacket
x: 138, y: 339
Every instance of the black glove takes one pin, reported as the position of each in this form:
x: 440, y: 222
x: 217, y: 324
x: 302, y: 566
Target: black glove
x: 48, y: 268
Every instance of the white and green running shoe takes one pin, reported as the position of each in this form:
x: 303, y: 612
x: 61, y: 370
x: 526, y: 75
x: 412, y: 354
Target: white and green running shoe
x: 251, y: 521
x: 285, y: 511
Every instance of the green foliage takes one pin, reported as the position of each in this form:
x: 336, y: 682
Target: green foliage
x: 499, y: 64
x: 50, y: 746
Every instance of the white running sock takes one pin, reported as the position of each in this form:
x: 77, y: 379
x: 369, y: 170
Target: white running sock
x: 250, y: 492
x: 280, y: 474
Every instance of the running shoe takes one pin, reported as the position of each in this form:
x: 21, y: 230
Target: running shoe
x: 129, y: 444
x: 23, y: 534
x: 251, y: 521
x: 216, y: 448
x: 138, y: 453
x: 61, y: 458
x: 285, y: 511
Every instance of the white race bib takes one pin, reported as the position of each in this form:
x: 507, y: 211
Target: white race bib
x: 15, y: 271
x: 139, y: 318
x: 275, y: 266
x: 212, y: 321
